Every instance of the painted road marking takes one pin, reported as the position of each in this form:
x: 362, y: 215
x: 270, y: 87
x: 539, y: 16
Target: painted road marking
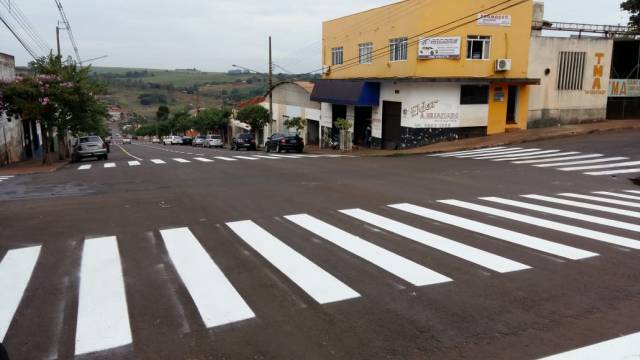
x: 467, y: 151
x: 601, y: 199
x: 532, y: 242
x: 203, y: 159
x: 539, y: 157
x: 630, y: 213
x: 633, y: 191
x: 267, y: 157
x: 596, y: 167
x: 217, y: 300
x: 225, y: 158
x: 103, y: 317
x: 182, y: 161
x: 399, y: 266
x: 490, y: 153
x: 315, y: 281
x: 157, y: 161
x: 569, y: 229
x: 625, y: 347
x: 516, y: 156
x: 568, y: 214
x: 246, y: 158
x: 497, y: 156
x: 583, y: 162
x: 15, y: 271
x: 126, y: 152
x: 109, y: 165
x: 614, y: 172
x: 623, y: 196
x: 84, y: 167
x: 134, y: 163
x: 476, y: 256
x: 286, y: 156
x: 565, y: 158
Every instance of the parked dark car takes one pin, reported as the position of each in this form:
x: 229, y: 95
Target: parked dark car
x: 187, y: 140
x: 243, y: 141
x: 280, y: 142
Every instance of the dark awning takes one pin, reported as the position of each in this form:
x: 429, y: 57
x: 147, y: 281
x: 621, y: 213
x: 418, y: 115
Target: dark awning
x: 347, y: 92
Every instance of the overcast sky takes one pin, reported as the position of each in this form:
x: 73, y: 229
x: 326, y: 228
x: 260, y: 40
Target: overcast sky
x: 213, y: 34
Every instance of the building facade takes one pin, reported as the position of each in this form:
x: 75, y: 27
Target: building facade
x: 290, y: 100
x: 417, y: 72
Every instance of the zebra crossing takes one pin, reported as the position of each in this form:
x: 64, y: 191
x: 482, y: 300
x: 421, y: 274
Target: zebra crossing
x: 103, y: 317
x: 6, y: 178
x: 200, y: 159
x: 568, y: 161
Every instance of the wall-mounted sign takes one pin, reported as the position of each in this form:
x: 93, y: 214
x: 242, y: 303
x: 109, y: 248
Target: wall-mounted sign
x: 494, y: 20
x: 598, y: 73
x: 439, y: 48
x: 624, y: 88
x: 428, y: 114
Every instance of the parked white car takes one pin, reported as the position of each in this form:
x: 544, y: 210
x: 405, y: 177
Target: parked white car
x: 126, y: 141
x: 172, y: 140
x: 214, y: 141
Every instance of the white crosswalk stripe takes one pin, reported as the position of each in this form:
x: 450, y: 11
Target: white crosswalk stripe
x: 622, y: 348
x: 538, y: 157
x: 583, y: 205
x: 15, y: 272
x: 84, y: 167
x: 614, y: 172
x: 399, y: 266
x: 493, y: 153
x: 319, y: 284
x: 511, y: 156
x: 564, y: 158
x: 471, y: 254
x: 467, y: 152
x: 568, y: 214
x: 217, y: 300
x: 246, y: 158
x: 201, y: 159
x: 532, y: 242
x: 267, y: 157
x: 288, y: 156
x: 633, y: 191
x: 134, y: 163
x: 225, y: 158
x: 582, y: 162
x: 527, y: 155
x: 109, y: 165
x: 607, y: 166
x: 622, y: 196
x: 569, y: 229
x: 180, y: 160
x: 497, y: 150
x: 601, y: 199
x: 103, y: 316
x: 157, y: 161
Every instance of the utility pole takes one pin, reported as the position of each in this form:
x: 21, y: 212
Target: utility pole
x: 58, y: 39
x: 270, y: 89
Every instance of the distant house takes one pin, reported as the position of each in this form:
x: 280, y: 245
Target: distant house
x: 115, y: 114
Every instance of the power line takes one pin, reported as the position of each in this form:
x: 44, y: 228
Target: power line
x: 20, y: 40
x: 385, y: 50
x: 22, y: 20
x: 68, y: 26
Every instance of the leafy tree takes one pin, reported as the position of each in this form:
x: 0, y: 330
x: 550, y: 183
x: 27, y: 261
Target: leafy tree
x: 255, y: 115
x: 163, y: 113
x: 211, y: 119
x: 61, y: 96
x: 182, y: 122
x: 633, y: 7
x: 297, y: 123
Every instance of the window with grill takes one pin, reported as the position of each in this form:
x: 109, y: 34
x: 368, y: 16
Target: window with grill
x: 337, y: 55
x: 571, y: 66
x: 398, y: 49
x: 365, y: 52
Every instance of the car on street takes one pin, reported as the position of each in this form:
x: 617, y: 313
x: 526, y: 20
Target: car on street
x: 89, y: 146
x: 186, y: 140
x: 199, y: 140
x: 172, y: 140
x: 279, y: 142
x: 243, y: 141
x: 126, y: 141
x: 155, y: 140
x: 214, y: 141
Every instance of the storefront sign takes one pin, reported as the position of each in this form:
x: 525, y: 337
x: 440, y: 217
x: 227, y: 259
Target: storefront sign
x: 439, y: 48
x: 494, y: 20
x: 624, y: 88
x: 598, y: 73
x: 376, y: 128
x: 428, y: 114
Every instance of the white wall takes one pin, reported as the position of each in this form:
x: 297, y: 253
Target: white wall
x: 549, y: 106
x: 433, y: 105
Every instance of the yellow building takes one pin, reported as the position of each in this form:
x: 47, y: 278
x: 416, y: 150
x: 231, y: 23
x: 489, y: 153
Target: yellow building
x: 420, y: 71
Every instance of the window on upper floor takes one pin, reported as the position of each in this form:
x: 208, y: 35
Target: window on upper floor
x: 398, y: 48
x: 337, y: 55
x: 474, y: 94
x: 571, y: 65
x: 365, y: 53
x: 478, y: 47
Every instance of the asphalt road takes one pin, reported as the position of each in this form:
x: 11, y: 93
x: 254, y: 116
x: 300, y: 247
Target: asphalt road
x: 170, y: 252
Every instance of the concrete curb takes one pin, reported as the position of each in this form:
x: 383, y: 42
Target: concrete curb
x: 33, y: 169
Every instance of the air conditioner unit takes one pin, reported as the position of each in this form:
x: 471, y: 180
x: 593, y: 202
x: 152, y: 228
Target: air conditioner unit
x: 503, y: 64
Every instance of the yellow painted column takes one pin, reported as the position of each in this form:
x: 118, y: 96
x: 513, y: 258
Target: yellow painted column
x: 498, y: 98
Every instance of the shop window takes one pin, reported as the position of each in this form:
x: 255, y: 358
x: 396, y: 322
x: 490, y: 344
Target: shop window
x: 571, y: 65
x: 478, y: 47
x: 398, y: 49
x: 365, y: 52
x: 474, y: 94
x: 337, y: 56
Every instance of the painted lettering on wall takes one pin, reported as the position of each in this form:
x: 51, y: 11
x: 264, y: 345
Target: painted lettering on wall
x: 426, y: 115
x: 624, y: 88
x: 598, y: 73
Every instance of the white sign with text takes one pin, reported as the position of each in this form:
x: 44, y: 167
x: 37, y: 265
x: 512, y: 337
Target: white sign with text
x: 439, y: 48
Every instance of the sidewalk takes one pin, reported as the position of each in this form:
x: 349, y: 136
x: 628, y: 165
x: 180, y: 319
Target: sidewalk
x: 31, y: 167
x: 510, y: 138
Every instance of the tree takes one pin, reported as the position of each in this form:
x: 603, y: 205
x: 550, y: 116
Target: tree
x: 163, y: 113
x: 297, y: 123
x: 255, y: 115
x: 633, y: 7
x: 61, y: 96
x: 212, y: 119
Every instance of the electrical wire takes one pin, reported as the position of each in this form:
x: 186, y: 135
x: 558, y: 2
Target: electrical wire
x: 69, y: 32
x: 20, y: 40
x: 27, y: 28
